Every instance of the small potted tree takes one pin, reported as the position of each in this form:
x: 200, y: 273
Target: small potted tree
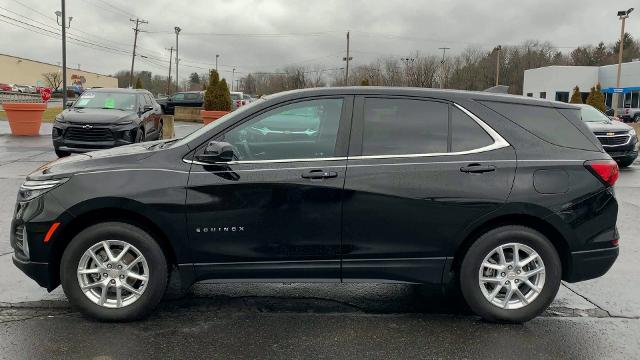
x: 217, y: 99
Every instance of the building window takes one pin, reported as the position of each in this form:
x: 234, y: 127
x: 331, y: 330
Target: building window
x: 530, y: 94
x: 634, y: 99
x: 562, y: 96
x: 543, y: 94
x: 584, y: 96
x: 607, y: 99
x: 627, y: 100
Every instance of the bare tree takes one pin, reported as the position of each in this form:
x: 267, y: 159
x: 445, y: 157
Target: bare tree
x: 53, y: 79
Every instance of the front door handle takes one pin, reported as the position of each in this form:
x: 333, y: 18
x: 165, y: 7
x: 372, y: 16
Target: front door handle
x: 477, y: 168
x: 317, y: 174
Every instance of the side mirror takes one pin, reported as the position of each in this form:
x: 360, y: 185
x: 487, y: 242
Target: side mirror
x: 69, y: 104
x: 147, y: 108
x: 215, y: 152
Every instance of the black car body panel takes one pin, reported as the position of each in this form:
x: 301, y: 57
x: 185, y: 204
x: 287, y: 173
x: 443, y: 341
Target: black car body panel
x: 345, y: 216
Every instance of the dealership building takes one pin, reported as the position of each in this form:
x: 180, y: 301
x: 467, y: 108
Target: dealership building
x: 557, y: 82
x: 21, y: 71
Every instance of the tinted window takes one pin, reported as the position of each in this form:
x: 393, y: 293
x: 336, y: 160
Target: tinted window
x: 466, y: 134
x: 302, y: 130
x: 178, y: 97
x: 404, y: 126
x: 106, y: 100
x: 546, y: 123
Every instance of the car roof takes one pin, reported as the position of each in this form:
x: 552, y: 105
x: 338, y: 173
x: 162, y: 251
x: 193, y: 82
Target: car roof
x: 446, y: 94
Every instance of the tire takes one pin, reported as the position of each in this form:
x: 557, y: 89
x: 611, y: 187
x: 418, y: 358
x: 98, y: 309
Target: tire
x: 141, y: 243
x: 636, y: 118
x: 62, y: 154
x: 139, y: 136
x: 626, y: 162
x: 470, y: 269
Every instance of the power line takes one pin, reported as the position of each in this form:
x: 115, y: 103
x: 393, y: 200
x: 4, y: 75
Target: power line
x: 122, y: 11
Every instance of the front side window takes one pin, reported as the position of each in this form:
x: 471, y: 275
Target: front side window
x: 301, y: 130
x: 404, y: 126
x: 178, y: 97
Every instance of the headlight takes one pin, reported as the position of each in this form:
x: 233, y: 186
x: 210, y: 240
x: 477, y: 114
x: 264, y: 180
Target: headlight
x: 124, y: 122
x: 60, y: 119
x: 632, y: 132
x: 31, y: 189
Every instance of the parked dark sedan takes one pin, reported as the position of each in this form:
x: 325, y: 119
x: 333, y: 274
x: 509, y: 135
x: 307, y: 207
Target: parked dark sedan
x: 500, y: 196
x: 187, y: 99
x: 105, y: 118
x: 618, y: 139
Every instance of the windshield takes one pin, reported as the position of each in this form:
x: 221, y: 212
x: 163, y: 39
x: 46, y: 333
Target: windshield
x: 106, y: 100
x: 219, y: 122
x: 591, y: 114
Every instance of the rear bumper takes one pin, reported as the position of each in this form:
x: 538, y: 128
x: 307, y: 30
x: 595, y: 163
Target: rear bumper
x: 37, y: 271
x: 591, y: 264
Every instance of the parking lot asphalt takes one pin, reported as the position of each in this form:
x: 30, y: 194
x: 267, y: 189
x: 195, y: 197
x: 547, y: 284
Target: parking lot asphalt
x: 593, y: 319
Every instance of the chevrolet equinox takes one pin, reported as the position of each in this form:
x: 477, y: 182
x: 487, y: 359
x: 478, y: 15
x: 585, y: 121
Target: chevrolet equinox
x: 500, y: 196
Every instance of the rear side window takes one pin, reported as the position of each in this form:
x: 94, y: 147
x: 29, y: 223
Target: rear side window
x: 404, y: 126
x: 546, y: 123
x: 466, y: 134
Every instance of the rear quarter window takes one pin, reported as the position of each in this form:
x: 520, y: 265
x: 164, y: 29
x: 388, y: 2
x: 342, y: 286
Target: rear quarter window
x: 545, y: 123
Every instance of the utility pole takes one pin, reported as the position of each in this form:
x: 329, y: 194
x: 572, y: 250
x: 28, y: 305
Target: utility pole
x: 498, y: 50
x: 63, y: 15
x: 217, y: 56
x: 170, y: 59
x: 347, y: 59
x: 622, y: 15
x: 135, y: 42
x: 444, y: 73
x: 177, y: 30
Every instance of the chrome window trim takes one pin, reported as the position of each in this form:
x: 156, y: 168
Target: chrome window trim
x: 499, y: 143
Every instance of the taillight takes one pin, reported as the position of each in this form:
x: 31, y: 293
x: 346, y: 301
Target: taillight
x: 237, y: 103
x: 605, y: 170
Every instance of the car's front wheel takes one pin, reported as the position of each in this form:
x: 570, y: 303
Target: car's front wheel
x: 60, y: 153
x: 510, y: 274
x: 114, y: 272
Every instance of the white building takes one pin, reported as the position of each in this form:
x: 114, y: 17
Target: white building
x: 557, y: 82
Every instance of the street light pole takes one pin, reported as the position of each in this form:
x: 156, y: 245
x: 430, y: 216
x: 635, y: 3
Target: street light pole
x: 177, y: 30
x: 443, y: 68
x: 498, y: 50
x: 233, y: 75
x: 622, y: 15
x: 217, y: 56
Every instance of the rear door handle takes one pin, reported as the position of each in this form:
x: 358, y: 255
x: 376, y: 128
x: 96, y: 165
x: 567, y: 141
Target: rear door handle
x: 317, y: 174
x: 477, y: 168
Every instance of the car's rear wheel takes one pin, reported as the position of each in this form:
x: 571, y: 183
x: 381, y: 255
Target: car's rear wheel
x: 114, y: 272
x: 510, y: 274
x: 636, y: 118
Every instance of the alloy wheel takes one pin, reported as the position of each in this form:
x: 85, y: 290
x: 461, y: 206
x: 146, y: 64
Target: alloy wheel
x: 113, y: 273
x: 511, y: 276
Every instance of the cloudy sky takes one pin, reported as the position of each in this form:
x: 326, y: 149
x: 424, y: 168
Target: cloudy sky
x: 264, y: 35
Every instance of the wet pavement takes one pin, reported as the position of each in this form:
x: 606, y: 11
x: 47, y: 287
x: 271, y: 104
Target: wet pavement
x: 590, y: 320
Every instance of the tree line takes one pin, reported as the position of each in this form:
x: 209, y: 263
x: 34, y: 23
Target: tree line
x: 472, y: 69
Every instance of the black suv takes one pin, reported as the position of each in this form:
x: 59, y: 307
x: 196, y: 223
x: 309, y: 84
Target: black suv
x: 502, y: 196
x: 618, y: 139
x: 185, y: 99
x: 105, y: 118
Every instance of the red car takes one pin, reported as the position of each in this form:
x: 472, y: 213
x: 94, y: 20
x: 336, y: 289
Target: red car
x: 5, y: 87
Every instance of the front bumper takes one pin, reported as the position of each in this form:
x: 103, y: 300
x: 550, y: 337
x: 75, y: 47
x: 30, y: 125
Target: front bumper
x: 624, y: 151
x: 111, y: 136
x: 37, y: 271
x: 590, y: 264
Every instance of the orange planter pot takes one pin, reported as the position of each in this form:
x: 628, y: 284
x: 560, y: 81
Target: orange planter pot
x: 211, y: 116
x: 24, y: 118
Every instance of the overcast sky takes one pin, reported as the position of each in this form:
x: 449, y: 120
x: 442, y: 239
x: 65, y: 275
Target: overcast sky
x: 309, y: 32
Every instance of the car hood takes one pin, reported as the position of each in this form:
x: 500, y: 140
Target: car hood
x: 97, y: 116
x: 610, y: 126
x: 120, y: 157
